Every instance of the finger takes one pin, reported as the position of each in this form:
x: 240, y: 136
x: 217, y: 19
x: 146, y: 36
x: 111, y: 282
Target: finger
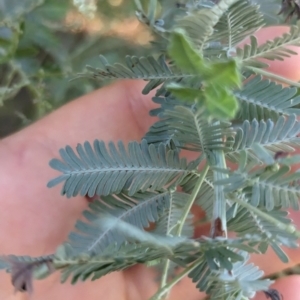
x: 118, y: 111
x: 34, y: 219
x: 39, y: 217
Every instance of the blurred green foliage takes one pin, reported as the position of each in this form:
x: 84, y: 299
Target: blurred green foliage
x: 45, y: 43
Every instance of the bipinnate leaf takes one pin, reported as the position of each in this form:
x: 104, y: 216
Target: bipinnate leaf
x: 244, y: 280
x: 156, y: 71
x: 262, y: 99
x: 238, y: 22
x: 277, y: 49
x: 197, y: 134
x: 100, y: 171
x: 139, y: 210
x: 167, y: 223
x: 84, y: 266
x: 282, y: 135
x: 184, y: 93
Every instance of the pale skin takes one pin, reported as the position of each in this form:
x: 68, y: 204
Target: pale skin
x: 34, y: 220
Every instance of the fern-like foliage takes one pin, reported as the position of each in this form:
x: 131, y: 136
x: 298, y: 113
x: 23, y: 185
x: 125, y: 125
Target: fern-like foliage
x: 138, y: 210
x: 279, y: 136
x: 156, y: 71
x: 244, y: 222
x: 199, y: 25
x: 159, y: 131
x: 221, y: 262
x: 243, y: 281
x: 271, y: 50
x: 239, y: 21
x: 95, y: 267
x: 276, y: 190
x: 167, y: 224
x: 262, y: 99
x: 167, y: 101
x: 99, y: 171
x: 147, y: 192
x: 265, y: 187
x: 205, y: 196
x: 86, y: 266
x: 188, y: 127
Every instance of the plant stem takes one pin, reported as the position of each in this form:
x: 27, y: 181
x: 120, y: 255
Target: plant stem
x: 164, y: 276
x: 273, y: 76
x: 182, y: 220
x: 191, y: 200
x: 164, y: 290
x: 288, y: 228
x: 218, y: 221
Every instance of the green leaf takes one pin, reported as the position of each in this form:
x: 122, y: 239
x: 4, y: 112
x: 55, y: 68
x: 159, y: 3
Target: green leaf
x: 219, y: 77
x: 184, y: 93
x: 220, y: 102
x: 8, y: 43
x: 26, y: 52
x: 184, y: 54
x: 225, y: 73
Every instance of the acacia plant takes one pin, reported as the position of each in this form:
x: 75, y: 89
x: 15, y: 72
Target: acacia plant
x: 218, y: 101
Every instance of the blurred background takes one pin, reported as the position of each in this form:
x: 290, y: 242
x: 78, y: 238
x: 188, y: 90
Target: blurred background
x: 45, y: 43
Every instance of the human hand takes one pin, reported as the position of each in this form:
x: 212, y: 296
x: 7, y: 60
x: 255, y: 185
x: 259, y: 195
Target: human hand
x: 34, y: 220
